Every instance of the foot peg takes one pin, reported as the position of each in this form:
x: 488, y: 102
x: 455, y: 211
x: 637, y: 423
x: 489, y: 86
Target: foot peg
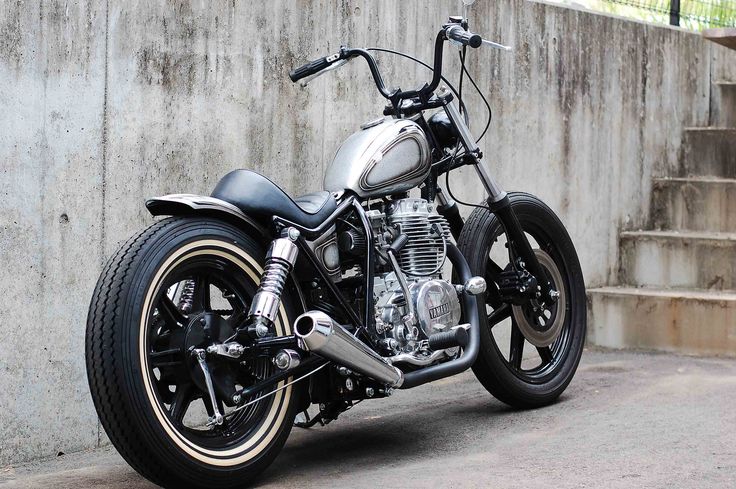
x: 449, y: 339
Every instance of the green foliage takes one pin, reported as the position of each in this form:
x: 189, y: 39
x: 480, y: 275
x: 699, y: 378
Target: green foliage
x: 694, y: 14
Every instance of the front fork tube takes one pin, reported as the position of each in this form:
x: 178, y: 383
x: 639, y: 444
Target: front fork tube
x: 519, y: 244
x: 500, y: 205
x: 498, y: 201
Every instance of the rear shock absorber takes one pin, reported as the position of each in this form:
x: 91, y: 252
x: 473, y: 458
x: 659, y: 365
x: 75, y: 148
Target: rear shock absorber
x: 280, y: 260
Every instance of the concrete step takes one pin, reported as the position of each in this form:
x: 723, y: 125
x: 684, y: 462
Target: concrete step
x: 725, y: 36
x: 692, y: 259
x: 724, y: 111
x: 691, y: 322
x: 695, y: 203
x: 709, y: 151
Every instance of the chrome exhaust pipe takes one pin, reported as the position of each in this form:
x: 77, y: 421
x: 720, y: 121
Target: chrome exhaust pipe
x: 323, y: 336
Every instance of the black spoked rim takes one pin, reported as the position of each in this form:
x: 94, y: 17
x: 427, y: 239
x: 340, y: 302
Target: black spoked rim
x: 539, y: 368
x: 199, y: 285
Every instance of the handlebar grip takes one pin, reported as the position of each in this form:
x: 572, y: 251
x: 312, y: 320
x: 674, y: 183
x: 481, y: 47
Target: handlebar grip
x: 457, y: 33
x: 309, y: 69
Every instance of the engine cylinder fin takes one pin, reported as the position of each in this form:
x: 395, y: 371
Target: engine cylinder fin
x: 424, y: 252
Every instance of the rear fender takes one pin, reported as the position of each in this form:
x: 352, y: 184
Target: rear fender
x: 202, y: 205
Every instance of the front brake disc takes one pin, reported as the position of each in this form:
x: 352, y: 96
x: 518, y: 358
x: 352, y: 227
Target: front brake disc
x: 541, y: 327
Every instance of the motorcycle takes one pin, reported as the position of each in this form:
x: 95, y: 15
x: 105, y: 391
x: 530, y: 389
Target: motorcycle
x: 213, y: 330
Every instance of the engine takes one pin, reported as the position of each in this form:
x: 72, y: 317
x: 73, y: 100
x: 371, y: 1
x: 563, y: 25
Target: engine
x: 424, y: 253
x: 404, y: 324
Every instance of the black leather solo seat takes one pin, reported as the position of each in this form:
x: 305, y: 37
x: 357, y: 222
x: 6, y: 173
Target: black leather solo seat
x: 262, y: 199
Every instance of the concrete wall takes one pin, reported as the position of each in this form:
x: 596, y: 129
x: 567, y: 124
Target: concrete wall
x: 103, y: 104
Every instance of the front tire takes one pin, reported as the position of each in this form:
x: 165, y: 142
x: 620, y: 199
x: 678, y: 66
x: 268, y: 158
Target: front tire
x: 142, y: 380
x: 523, y: 377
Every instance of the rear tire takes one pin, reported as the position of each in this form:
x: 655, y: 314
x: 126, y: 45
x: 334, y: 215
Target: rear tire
x: 504, y: 376
x: 131, y: 409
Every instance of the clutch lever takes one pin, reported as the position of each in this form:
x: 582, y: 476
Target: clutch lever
x: 496, y: 45
x: 305, y: 81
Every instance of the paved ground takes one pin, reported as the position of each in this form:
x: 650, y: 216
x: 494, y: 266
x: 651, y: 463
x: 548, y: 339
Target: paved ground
x: 627, y: 420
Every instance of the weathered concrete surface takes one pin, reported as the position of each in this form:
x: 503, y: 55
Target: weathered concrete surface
x: 627, y: 420
x: 679, y: 259
x: 722, y: 102
x: 52, y: 92
x: 696, y: 203
x: 709, y: 151
x: 687, y: 321
x: 105, y: 104
x: 676, y: 283
x: 725, y: 115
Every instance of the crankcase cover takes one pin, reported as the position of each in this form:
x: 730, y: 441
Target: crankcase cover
x: 437, y: 306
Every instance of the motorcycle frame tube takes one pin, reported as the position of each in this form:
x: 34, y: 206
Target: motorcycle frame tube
x: 350, y: 203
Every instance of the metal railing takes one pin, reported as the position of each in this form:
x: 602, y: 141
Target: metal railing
x: 691, y: 14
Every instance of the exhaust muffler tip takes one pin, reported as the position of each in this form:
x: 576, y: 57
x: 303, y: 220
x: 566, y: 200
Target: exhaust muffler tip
x: 313, y: 329
x: 320, y: 334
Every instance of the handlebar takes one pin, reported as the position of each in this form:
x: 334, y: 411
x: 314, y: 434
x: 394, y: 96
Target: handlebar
x: 312, y: 68
x: 458, y: 34
x: 453, y: 31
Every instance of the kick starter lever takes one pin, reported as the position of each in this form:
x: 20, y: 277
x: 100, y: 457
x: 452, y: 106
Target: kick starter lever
x: 216, y: 418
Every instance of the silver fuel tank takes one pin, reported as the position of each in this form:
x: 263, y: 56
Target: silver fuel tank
x: 385, y: 157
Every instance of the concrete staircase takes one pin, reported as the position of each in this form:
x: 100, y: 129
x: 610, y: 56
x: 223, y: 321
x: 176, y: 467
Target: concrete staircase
x: 678, y: 289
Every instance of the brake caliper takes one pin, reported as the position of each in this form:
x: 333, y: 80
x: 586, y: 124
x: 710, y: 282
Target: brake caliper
x: 516, y: 286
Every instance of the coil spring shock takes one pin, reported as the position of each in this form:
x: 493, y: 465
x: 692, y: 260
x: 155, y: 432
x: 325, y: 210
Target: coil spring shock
x: 279, y: 261
x: 186, y: 298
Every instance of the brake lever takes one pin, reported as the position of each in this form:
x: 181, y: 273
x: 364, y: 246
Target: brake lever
x: 305, y: 81
x: 496, y: 45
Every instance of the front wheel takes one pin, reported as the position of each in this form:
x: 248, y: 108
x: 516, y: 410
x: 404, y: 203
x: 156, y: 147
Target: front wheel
x: 180, y: 286
x: 529, y: 352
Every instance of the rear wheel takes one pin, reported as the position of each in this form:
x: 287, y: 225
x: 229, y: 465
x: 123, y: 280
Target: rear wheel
x: 182, y: 285
x: 529, y: 352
